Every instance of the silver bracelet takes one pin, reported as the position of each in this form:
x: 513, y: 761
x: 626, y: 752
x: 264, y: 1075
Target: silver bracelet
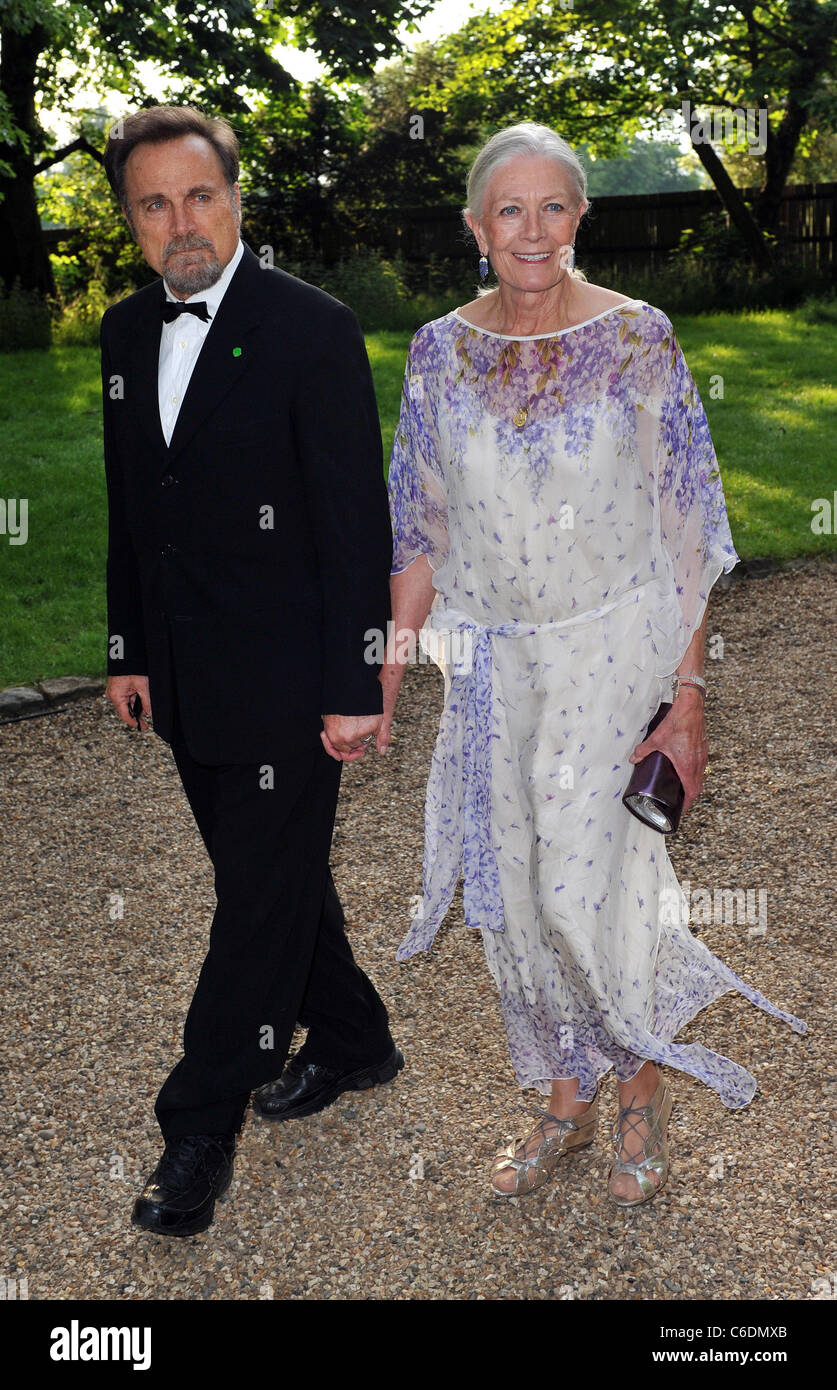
x: 688, y: 680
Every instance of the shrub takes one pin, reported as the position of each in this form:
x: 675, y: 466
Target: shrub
x: 820, y: 310
x: 389, y: 295
x: 710, y: 271
x: 78, y: 318
x: 24, y: 320
x: 369, y: 284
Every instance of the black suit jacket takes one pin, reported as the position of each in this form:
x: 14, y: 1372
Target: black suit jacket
x: 247, y: 560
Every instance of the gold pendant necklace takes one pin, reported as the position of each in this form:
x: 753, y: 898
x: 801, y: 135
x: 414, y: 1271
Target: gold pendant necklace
x: 521, y: 415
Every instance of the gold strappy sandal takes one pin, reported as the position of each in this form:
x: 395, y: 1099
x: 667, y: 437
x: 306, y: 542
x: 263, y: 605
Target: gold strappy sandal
x: 553, y: 1138
x: 655, y: 1151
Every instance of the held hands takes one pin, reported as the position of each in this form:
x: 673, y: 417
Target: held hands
x: 121, y: 689
x: 343, y: 735
x: 681, y: 736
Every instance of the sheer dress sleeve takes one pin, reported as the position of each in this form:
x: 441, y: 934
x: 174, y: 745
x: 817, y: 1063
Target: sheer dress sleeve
x: 417, y: 492
x: 694, y: 525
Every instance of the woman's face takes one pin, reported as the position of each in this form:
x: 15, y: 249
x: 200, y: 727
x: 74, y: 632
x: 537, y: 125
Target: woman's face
x: 529, y: 218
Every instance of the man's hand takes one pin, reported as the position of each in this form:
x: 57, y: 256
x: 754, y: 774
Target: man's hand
x: 342, y: 735
x: 121, y: 689
x: 682, y: 737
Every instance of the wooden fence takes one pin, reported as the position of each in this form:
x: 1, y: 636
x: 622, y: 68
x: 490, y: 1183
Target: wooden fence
x: 619, y: 235
x: 635, y: 233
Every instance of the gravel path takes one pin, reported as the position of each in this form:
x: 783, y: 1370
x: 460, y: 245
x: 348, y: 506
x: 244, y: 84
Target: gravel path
x: 385, y: 1194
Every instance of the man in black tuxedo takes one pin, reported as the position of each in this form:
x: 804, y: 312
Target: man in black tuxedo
x: 249, y: 552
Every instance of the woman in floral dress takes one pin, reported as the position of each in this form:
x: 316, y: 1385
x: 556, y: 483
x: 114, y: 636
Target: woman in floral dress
x: 557, y: 510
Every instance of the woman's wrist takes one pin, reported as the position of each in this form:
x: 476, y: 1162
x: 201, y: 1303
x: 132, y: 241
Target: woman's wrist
x: 689, y: 681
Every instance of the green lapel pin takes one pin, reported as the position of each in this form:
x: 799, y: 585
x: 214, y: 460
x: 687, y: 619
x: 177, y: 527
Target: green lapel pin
x: 236, y: 352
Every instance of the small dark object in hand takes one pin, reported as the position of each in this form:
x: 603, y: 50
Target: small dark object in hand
x: 135, y: 709
x: 655, y: 794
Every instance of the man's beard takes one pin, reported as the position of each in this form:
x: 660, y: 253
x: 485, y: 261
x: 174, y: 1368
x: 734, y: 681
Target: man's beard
x: 189, y: 279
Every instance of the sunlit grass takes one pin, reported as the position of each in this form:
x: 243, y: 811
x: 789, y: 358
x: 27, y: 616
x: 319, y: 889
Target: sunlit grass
x: 773, y: 431
x: 774, y: 428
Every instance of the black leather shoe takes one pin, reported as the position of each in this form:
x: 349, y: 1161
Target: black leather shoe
x: 305, y: 1087
x: 179, y: 1197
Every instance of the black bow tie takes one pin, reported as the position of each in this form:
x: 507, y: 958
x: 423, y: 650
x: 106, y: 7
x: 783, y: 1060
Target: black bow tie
x: 172, y: 311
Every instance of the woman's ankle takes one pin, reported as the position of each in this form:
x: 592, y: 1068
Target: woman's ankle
x: 564, y: 1101
x: 643, y: 1084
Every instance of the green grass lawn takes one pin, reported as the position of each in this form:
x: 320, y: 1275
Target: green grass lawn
x: 773, y: 432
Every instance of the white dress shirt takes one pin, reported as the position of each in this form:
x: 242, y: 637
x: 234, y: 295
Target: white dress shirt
x: 181, y: 342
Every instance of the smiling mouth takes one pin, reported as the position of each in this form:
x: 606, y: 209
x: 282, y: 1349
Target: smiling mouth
x: 533, y: 259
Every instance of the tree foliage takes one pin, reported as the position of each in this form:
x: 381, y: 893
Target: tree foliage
x: 341, y: 160
x: 601, y: 73
x: 217, y: 55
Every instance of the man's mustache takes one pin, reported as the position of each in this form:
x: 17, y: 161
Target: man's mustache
x: 187, y: 244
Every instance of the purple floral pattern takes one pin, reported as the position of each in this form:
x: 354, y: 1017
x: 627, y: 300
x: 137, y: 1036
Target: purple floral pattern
x: 566, y: 492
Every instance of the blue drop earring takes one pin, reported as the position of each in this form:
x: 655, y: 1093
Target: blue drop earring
x: 483, y: 269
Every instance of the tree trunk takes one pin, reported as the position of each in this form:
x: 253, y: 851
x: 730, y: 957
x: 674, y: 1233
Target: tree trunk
x: 809, y: 73
x: 779, y: 155
x: 23, y: 255
x: 740, y: 214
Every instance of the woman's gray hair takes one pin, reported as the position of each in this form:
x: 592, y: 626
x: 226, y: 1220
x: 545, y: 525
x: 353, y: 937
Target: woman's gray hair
x: 526, y: 138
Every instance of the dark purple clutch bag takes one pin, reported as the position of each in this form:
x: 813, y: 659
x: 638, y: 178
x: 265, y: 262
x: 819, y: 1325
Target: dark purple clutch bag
x: 655, y: 793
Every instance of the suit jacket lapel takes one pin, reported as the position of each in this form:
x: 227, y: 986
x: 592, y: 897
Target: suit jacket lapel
x: 142, y: 385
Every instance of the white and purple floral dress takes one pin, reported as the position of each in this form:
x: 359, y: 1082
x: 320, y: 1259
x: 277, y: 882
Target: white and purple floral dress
x: 566, y: 492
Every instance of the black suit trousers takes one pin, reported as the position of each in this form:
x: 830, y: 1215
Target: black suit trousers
x: 278, y: 951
